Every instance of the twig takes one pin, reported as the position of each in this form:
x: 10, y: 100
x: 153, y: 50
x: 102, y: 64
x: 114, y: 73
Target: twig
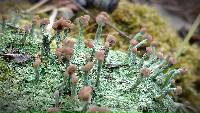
x: 36, y: 6
x: 93, y: 17
x: 189, y: 35
x: 52, y: 18
x: 48, y: 8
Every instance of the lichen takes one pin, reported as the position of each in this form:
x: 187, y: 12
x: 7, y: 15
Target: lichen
x: 126, y: 81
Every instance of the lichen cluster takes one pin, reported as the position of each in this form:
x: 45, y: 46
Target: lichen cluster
x: 78, y: 76
x: 134, y: 16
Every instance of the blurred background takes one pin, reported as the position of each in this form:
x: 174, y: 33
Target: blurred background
x: 168, y: 21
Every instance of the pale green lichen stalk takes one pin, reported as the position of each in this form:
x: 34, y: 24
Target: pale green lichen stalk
x: 121, y: 81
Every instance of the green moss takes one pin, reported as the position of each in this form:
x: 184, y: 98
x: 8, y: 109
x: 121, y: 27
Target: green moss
x: 131, y: 17
x: 5, y: 72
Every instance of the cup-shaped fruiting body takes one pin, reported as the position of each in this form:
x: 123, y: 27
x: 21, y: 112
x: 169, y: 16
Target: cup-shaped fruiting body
x: 44, y: 22
x: 70, y: 69
x: 67, y: 53
x: 149, y: 51
x: 160, y: 55
x: 143, y: 30
x: 74, y: 79
x: 100, y: 55
x: 111, y: 40
x: 102, y: 18
x: 183, y: 71
x: 154, y: 43
x: 98, y: 109
x: 149, y: 38
x: 92, y: 109
x: 88, y: 58
x: 58, y: 53
x: 37, y: 61
x: 89, y: 43
x: 135, y: 50
x: 172, y: 60
x: 84, y: 20
x: 62, y: 24
x: 68, y: 74
x: 133, y: 42
x: 35, y: 19
x: 85, y: 93
x: 87, y: 67
x: 68, y: 43
x: 26, y: 28
x: 178, y: 90
x: 4, y: 17
x: 145, y: 72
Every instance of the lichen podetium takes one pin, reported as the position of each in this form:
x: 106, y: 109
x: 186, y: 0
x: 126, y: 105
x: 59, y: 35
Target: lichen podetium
x: 137, y: 80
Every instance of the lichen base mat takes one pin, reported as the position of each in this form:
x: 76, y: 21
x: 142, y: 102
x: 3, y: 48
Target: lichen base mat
x: 61, y: 79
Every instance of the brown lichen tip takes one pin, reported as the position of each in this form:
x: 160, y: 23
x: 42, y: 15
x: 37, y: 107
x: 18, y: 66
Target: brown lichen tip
x: 178, y: 90
x: 173, y: 81
x: 149, y: 50
x: 154, y: 43
x: 85, y: 93
x: 67, y: 53
x: 160, y: 55
x: 92, y: 109
x: 149, y: 38
x: 104, y: 109
x: 145, y: 72
x: 53, y: 109
x: 183, y: 71
x: 87, y: 67
x: 102, y: 18
x: 74, y: 79
x: 62, y: 24
x: 111, y: 39
x: 70, y: 69
x: 143, y: 29
x: 44, y: 21
x: 134, y: 50
x: 100, y: 55
x: 133, y: 42
x: 89, y: 43
x: 4, y: 17
x: 172, y: 60
x: 84, y: 19
x: 26, y: 28
x: 88, y: 57
x: 98, y: 109
x: 58, y: 52
x: 37, y: 62
x: 68, y: 43
x: 35, y: 19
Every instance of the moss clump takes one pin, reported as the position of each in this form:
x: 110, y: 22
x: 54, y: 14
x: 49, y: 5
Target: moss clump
x: 5, y: 72
x: 131, y: 17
